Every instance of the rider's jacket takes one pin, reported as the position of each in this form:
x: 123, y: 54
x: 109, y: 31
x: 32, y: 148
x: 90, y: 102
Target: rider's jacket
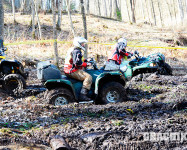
x: 117, y: 57
x: 73, y: 60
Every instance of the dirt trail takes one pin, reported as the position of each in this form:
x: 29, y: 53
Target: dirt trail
x: 155, y: 103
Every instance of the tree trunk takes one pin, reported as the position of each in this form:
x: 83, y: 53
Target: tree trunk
x: 142, y: 9
x: 88, y: 6
x: 2, y: 20
x: 169, y: 11
x: 132, y: 2
x: 105, y: 8
x: 33, y: 19
x: 181, y: 10
x: 185, y: 9
x: 98, y: 7
x: 70, y: 19
x: 110, y: 8
x: 23, y: 6
x: 54, y: 32
x: 39, y: 26
x: 153, y: 12
x: 174, y: 11
x: 147, y: 8
x: 59, y: 14
x: 114, y: 9
x: 160, y: 12
x: 127, y: 11
x: 84, y: 25
x: 13, y: 11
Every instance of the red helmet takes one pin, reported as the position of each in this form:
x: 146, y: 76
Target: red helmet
x: 121, y: 46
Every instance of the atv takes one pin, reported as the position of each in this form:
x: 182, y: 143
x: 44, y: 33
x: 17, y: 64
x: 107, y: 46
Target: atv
x: 107, y: 86
x: 12, y: 74
x: 150, y: 64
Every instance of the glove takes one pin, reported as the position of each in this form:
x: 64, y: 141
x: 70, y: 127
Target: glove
x: 130, y: 55
x: 89, y: 64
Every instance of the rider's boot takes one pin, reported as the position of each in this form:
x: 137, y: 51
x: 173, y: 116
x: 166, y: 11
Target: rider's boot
x: 83, y: 95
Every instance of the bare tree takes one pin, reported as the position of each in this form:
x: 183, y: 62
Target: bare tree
x: 160, y: 12
x: 147, y: 8
x: 59, y: 15
x: 38, y: 20
x: 110, y: 7
x: 13, y: 11
x: 98, y: 7
x: 84, y: 24
x: 142, y: 9
x: 132, y: 3
x: 70, y: 19
x: 169, y: 8
x: 23, y: 6
x: 153, y: 12
x: 114, y: 9
x: 88, y: 6
x: 2, y: 20
x: 125, y: 1
x: 105, y: 8
x: 174, y: 10
x: 33, y: 19
x: 181, y: 10
x: 54, y: 32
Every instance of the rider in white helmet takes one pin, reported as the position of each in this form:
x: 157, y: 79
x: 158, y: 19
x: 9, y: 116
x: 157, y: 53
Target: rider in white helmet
x: 120, y: 51
x: 74, y: 65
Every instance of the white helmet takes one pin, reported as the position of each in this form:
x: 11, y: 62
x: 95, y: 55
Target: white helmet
x: 78, y: 41
x: 123, y: 40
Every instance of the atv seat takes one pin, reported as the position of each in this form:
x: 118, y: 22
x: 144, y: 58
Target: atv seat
x: 70, y: 79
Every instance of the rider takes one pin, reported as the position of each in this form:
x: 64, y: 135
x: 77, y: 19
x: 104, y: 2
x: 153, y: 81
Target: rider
x: 74, y: 65
x: 120, y: 52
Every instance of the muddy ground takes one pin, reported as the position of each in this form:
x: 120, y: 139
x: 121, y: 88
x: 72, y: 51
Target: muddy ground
x: 155, y: 103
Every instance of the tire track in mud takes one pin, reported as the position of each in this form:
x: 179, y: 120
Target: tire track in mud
x: 155, y: 104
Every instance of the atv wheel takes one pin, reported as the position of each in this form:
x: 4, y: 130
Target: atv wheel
x: 166, y: 69
x: 14, y: 83
x: 60, y: 96
x: 112, y: 92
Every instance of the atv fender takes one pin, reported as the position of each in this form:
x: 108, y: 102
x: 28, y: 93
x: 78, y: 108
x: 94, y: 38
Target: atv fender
x: 54, y: 83
x: 108, y: 76
x: 7, y: 66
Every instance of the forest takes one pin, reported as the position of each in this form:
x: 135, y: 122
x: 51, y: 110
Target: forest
x: 140, y: 105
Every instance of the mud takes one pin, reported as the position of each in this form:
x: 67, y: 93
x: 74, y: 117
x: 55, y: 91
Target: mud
x: 155, y: 104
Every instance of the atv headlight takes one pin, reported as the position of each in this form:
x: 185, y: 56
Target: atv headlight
x: 152, y: 64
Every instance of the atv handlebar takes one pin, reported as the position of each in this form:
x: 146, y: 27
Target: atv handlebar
x: 3, y: 49
x: 136, y: 55
x: 93, y: 62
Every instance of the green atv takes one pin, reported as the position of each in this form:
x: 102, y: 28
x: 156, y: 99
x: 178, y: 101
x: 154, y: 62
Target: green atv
x: 107, y: 86
x: 150, y: 64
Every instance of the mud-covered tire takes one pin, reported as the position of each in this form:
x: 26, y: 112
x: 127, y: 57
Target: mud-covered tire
x: 59, y: 96
x: 166, y: 69
x: 14, y: 83
x: 112, y: 92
